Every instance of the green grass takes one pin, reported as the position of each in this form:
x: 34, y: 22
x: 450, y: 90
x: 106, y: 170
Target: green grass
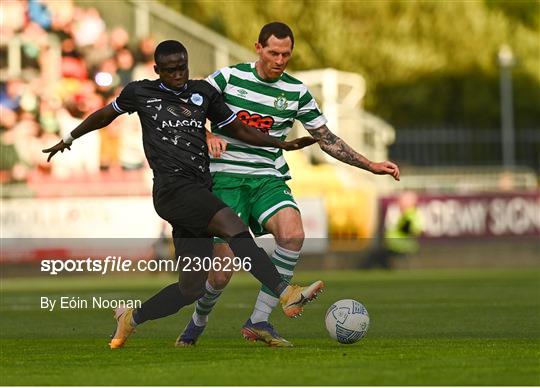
x: 428, y: 327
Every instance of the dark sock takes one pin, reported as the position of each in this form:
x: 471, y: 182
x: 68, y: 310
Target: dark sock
x: 166, y: 302
x: 262, y: 268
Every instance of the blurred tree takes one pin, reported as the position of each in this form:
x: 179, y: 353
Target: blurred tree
x: 524, y: 11
x: 426, y: 62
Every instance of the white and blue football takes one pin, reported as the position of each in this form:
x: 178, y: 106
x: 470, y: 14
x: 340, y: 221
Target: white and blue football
x: 347, y: 321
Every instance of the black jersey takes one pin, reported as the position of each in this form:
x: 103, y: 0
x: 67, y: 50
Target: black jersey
x: 174, y: 136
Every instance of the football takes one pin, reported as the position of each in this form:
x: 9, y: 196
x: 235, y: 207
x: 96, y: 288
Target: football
x: 347, y: 321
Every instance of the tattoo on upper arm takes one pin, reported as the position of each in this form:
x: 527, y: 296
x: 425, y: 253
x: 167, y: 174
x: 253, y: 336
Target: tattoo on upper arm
x: 323, y: 135
x: 337, y: 148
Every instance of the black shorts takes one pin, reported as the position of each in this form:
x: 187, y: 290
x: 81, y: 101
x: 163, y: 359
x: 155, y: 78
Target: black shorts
x: 187, y: 205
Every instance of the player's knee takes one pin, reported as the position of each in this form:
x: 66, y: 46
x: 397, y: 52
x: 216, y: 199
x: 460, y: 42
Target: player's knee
x: 291, y: 239
x: 219, y: 280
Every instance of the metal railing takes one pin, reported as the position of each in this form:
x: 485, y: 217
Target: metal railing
x: 463, y: 147
x: 468, y: 179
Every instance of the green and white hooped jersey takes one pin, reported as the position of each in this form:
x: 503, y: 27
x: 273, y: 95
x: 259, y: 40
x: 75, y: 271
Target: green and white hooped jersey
x: 271, y: 107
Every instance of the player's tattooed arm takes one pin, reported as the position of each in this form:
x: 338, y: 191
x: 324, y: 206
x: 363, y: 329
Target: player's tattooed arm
x: 337, y: 148
x: 334, y: 146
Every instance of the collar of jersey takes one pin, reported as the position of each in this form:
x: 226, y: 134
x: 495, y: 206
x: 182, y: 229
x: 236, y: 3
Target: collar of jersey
x: 173, y: 91
x: 254, y: 70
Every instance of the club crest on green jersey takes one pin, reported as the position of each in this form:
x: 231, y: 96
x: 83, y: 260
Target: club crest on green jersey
x: 281, y: 103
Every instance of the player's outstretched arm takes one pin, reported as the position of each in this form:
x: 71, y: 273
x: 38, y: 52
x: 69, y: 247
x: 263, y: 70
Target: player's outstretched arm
x: 216, y: 145
x: 337, y: 148
x: 97, y: 120
x: 241, y: 131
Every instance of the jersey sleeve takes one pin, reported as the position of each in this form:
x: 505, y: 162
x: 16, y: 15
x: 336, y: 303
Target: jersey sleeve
x: 218, y: 112
x: 219, y: 79
x: 309, y: 113
x: 127, y: 100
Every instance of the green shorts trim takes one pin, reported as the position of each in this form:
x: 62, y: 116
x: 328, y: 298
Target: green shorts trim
x: 255, y: 199
x: 264, y: 217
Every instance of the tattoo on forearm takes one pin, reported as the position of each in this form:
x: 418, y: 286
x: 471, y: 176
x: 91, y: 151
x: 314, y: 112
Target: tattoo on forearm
x: 337, y: 148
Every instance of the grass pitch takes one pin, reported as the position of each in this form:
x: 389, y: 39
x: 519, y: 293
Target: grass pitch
x: 428, y: 327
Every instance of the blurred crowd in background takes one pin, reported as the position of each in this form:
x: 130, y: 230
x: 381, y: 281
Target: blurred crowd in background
x: 49, y: 99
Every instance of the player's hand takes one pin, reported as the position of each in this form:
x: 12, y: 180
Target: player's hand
x: 216, y: 145
x: 299, y: 143
x: 385, y: 168
x: 60, y: 146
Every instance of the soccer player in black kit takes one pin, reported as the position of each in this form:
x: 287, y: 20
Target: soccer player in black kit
x: 172, y: 111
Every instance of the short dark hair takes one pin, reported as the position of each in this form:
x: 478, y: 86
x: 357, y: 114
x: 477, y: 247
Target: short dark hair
x: 168, y: 47
x: 278, y: 29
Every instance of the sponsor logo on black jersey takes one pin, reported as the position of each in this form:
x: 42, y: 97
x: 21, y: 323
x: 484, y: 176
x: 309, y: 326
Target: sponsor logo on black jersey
x: 182, y: 123
x: 179, y: 110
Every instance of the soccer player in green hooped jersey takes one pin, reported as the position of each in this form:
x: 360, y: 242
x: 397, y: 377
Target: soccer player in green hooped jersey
x: 251, y: 180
